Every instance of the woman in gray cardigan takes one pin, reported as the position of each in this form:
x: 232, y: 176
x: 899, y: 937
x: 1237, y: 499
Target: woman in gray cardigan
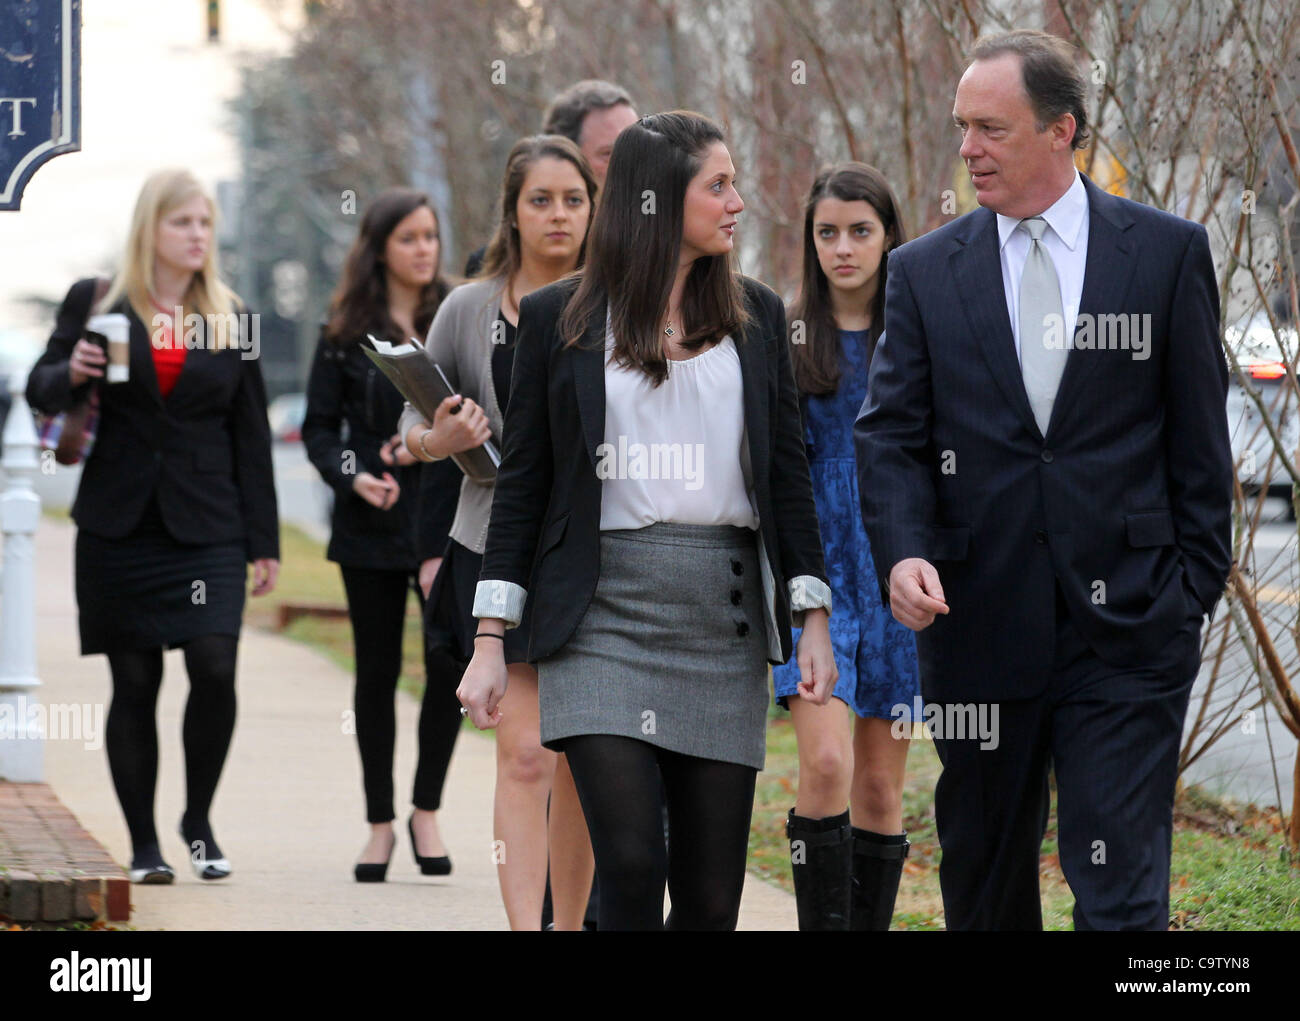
x: 546, y: 202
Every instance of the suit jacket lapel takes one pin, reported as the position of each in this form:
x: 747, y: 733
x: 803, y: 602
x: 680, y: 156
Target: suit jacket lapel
x: 1108, y: 272
x: 141, y: 355
x: 189, y: 367
x: 977, y: 268
x: 589, y: 381
x: 753, y: 376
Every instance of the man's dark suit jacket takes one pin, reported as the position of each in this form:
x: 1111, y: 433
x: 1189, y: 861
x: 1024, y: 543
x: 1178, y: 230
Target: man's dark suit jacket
x: 206, y: 449
x: 1125, y: 503
x: 547, y: 499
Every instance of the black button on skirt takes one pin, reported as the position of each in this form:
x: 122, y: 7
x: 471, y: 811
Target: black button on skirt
x: 672, y: 649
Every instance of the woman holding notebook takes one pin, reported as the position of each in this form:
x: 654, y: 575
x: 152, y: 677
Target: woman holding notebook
x: 547, y: 197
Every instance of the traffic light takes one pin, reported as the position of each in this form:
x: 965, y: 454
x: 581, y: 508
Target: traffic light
x: 214, y: 21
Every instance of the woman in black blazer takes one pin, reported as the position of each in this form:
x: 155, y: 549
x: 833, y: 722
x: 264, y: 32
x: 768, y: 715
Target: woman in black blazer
x: 654, y: 502
x: 176, y: 496
x: 380, y: 538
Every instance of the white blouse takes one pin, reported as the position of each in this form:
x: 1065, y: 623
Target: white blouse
x: 675, y: 452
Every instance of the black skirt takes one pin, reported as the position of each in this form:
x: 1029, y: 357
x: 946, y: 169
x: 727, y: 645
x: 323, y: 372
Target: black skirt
x: 148, y: 591
x: 452, y: 600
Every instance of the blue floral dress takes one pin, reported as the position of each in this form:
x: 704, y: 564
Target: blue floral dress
x: 875, y: 654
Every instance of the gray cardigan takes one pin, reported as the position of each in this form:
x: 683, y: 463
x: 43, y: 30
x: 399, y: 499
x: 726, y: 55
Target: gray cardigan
x: 460, y: 341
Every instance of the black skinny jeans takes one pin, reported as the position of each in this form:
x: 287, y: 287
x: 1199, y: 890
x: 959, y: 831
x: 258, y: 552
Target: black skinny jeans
x: 377, y: 608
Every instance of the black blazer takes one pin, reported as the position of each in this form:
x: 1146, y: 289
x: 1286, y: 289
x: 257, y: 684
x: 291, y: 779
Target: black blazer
x: 205, y: 450
x: 1125, y: 503
x: 545, y: 523
x: 352, y: 409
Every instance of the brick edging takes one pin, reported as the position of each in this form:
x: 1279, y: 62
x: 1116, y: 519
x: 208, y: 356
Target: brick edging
x: 51, y: 868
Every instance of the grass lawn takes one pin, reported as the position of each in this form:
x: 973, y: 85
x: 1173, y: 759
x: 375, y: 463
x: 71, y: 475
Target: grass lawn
x: 1229, y: 869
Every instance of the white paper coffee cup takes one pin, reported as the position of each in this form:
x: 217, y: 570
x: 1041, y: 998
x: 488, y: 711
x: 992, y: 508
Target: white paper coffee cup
x: 116, y: 329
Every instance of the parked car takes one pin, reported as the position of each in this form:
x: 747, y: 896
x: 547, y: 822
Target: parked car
x: 1267, y: 361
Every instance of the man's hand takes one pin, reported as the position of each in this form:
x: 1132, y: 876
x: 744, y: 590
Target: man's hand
x: 915, y: 595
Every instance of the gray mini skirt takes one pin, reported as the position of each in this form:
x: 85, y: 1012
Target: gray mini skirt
x: 672, y: 649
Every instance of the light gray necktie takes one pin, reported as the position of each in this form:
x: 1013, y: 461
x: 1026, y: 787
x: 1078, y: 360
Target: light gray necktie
x: 1042, y: 339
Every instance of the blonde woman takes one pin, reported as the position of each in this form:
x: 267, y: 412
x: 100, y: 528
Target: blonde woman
x: 175, y: 499
x: 546, y: 201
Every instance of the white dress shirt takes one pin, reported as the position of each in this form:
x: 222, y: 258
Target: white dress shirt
x: 1066, y: 241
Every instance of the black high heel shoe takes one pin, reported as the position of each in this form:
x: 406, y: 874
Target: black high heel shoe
x: 440, y: 866
x: 373, y: 872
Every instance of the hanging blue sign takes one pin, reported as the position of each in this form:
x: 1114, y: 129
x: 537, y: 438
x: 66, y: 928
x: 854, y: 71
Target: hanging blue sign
x: 40, y: 89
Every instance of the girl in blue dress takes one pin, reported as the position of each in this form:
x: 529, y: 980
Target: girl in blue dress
x: 847, y: 864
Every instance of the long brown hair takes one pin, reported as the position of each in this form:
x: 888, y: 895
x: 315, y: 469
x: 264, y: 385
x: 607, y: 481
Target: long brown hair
x: 634, y: 255
x: 816, y: 359
x: 360, y: 302
x: 503, y: 256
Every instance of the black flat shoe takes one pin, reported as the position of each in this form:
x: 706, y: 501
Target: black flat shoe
x: 440, y: 866
x: 205, y: 856
x: 149, y: 869
x: 154, y: 875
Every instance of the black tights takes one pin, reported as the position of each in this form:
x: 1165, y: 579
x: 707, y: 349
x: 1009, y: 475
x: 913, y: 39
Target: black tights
x: 377, y: 608
x: 131, y: 735
x: 709, y: 809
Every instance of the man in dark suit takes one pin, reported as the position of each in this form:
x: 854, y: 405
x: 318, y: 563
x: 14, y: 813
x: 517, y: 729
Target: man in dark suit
x: 1046, y: 480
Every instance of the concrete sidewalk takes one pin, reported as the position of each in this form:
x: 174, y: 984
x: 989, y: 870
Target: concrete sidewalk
x: 289, y: 812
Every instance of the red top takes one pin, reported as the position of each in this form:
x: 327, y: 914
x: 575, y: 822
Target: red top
x: 168, y: 357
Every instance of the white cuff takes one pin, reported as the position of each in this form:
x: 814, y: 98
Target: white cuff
x: 502, y: 599
x: 808, y: 593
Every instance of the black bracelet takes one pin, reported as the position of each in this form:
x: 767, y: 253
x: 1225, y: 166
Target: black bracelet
x: 488, y: 634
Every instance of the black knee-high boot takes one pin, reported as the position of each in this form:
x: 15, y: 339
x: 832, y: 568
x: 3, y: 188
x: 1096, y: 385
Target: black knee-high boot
x: 877, y: 868
x: 821, y: 853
